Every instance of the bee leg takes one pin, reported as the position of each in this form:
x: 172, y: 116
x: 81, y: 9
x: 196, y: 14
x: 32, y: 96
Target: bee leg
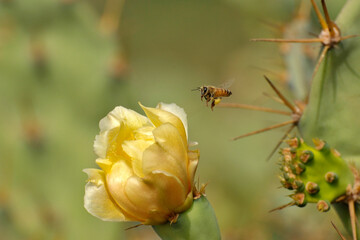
x: 207, y: 100
x: 213, y: 104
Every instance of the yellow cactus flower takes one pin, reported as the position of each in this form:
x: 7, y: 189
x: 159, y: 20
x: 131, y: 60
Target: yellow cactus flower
x: 147, y: 170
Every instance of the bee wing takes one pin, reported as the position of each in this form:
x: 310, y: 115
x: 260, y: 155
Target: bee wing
x: 227, y: 84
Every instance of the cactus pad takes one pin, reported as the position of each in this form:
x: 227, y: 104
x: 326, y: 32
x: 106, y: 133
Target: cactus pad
x: 317, y: 175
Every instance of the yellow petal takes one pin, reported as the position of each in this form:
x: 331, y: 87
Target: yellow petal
x: 108, y: 122
x: 119, y: 123
x: 177, y: 111
x: 104, y: 163
x: 170, y: 188
x: 168, y: 154
x: 116, y: 137
x: 101, y: 144
x: 159, y: 194
x: 193, y: 157
x: 97, y: 201
x: 129, y: 117
x: 158, y: 116
x: 116, y: 181
x: 144, y: 133
x: 149, y: 203
x: 135, y: 149
x: 186, y: 204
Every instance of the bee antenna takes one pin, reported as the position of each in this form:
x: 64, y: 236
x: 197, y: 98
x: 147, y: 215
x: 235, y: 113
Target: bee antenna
x: 196, y: 89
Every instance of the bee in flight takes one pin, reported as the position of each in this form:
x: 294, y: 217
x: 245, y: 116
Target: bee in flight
x: 213, y: 94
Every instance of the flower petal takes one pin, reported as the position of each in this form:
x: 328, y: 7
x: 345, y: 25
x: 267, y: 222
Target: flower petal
x: 116, y: 181
x: 135, y: 150
x: 101, y: 144
x: 116, y: 137
x: 193, y: 157
x: 177, y: 111
x: 168, y: 154
x: 144, y: 133
x: 146, y: 198
x: 104, y: 163
x: 158, y: 116
x: 170, y: 188
x: 120, y: 120
x: 158, y: 193
x: 123, y: 115
x: 97, y: 201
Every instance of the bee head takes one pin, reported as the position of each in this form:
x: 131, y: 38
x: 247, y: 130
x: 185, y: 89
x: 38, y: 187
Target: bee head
x: 203, y: 90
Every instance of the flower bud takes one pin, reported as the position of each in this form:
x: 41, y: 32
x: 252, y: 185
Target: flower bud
x: 147, y: 170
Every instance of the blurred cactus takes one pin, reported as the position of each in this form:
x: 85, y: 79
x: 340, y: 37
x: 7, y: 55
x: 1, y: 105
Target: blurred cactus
x: 335, y: 91
x: 319, y: 175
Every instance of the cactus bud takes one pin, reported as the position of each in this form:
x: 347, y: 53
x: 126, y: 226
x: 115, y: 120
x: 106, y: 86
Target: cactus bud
x: 331, y: 177
x: 321, y: 145
x: 306, y: 156
x: 299, y: 199
x: 300, y: 168
x: 300, y: 186
x: 294, y: 142
x: 312, y: 188
x: 323, y: 206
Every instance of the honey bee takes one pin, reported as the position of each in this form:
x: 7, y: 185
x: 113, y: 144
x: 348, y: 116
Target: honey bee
x: 213, y: 94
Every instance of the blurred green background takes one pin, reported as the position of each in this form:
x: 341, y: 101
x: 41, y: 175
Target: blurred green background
x: 64, y: 64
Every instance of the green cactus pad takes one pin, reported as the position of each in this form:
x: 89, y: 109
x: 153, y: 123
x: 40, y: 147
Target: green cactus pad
x: 317, y: 175
x: 199, y: 222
